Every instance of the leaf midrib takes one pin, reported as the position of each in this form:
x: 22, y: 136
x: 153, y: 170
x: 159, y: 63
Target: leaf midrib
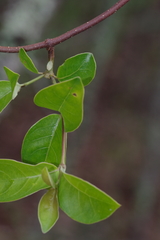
x: 73, y: 72
x: 83, y: 192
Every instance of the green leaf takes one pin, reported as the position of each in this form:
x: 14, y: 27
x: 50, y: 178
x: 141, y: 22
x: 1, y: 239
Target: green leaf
x: 48, y: 210
x: 82, y: 65
x: 47, y: 178
x: 5, y: 94
x: 67, y: 98
x: 13, y: 77
x: 43, y: 141
x: 9, y: 89
x: 18, y: 180
x: 27, y: 61
x: 84, y: 202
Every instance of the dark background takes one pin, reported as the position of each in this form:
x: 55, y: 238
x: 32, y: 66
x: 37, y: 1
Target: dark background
x: 117, y: 147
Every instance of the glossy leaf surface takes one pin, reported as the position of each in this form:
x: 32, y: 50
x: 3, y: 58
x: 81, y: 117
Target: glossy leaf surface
x: 13, y: 77
x: 84, y: 202
x: 27, y: 61
x: 18, y: 180
x: 82, y: 65
x: 43, y: 141
x: 67, y: 98
x: 5, y: 94
x: 48, y: 210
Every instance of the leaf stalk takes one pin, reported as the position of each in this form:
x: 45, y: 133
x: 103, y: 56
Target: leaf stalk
x: 32, y: 81
x: 64, y: 146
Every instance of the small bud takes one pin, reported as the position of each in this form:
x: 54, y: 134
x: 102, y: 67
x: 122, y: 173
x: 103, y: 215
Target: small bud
x: 49, y: 65
x: 47, y: 178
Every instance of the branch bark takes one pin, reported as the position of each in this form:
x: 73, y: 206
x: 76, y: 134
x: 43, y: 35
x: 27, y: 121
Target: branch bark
x: 49, y: 43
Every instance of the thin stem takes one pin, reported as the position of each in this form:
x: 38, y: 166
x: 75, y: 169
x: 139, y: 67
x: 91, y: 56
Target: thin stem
x: 31, y: 81
x: 64, y: 145
x: 50, y: 54
x: 53, y: 80
x: 49, y: 43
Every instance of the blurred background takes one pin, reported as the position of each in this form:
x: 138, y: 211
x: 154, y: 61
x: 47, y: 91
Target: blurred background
x: 117, y: 147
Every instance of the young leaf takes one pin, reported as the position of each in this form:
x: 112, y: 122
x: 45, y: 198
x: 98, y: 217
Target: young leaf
x: 43, y: 141
x: 13, y: 77
x: 18, y: 180
x: 82, y: 65
x: 48, y: 210
x: 5, y: 94
x: 27, y: 61
x: 50, y: 65
x: 67, y: 98
x: 47, y: 177
x: 84, y: 202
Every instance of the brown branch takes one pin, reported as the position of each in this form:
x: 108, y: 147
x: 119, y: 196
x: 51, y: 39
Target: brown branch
x: 49, y: 43
x: 50, y: 53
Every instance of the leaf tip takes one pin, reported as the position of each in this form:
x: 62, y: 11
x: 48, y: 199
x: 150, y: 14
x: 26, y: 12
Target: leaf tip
x: 27, y: 61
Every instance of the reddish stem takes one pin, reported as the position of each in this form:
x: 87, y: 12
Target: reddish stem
x: 49, y: 43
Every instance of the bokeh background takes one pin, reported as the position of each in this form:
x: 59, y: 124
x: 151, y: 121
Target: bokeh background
x: 117, y: 147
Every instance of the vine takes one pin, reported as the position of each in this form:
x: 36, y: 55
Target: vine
x: 44, y: 146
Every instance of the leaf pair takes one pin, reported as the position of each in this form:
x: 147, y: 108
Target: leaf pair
x: 79, y: 199
x: 67, y: 96
x: 9, y: 89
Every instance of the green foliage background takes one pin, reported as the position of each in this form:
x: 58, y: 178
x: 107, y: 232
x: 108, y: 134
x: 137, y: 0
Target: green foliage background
x: 117, y: 146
